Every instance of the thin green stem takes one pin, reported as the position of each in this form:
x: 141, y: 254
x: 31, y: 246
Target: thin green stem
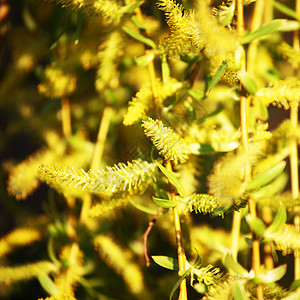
x: 96, y: 159
x: 244, y: 107
x: 294, y: 154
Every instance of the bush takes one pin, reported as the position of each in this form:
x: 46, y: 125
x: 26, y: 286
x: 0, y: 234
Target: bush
x: 124, y: 122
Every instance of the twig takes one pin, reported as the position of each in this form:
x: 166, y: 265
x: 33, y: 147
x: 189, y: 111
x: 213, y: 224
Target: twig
x: 244, y: 106
x: 294, y: 156
x: 146, y: 234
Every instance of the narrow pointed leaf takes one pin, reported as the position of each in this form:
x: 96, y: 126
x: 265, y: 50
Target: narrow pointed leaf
x: 175, y: 287
x: 196, y: 94
x: 266, y: 177
x: 232, y: 264
x: 286, y: 10
x: 166, y: 262
x: 144, y: 60
x: 165, y: 203
x: 132, y: 7
x: 172, y: 178
x: 276, y: 186
x: 249, y: 82
x: 47, y: 284
x: 256, y: 224
x: 139, y: 37
x: 143, y: 208
x: 198, y: 261
x: 271, y: 276
x: 239, y: 292
x: 262, y: 31
x: 279, y: 219
x: 215, y: 79
x: 295, y: 285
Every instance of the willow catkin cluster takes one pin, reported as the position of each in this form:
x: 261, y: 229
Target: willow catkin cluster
x: 18, y: 238
x: 58, y: 83
x: 286, y: 238
x: 119, y: 178
x: 284, y: 93
x: 117, y: 258
x: 289, y: 53
x: 109, y: 204
x: 23, y: 178
x: 61, y: 296
x: 109, y: 54
x: 110, y: 9
x: 202, y: 203
x: 226, y: 180
x: 169, y: 144
x: 143, y: 99
x: 184, y: 30
x: 26, y: 271
x: 67, y: 279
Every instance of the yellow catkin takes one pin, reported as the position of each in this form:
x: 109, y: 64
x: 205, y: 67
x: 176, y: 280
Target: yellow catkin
x: 108, y: 56
x: 23, y: 178
x: 107, y: 205
x: 169, y: 144
x: 25, y: 272
x: 57, y: 83
x: 62, y: 296
x: 109, y: 9
x: 67, y: 279
x: 17, y: 238
x: 118, y: 259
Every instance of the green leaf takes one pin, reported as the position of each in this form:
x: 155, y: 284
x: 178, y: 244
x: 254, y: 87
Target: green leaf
x: 198, y: 261
x: 249, y: 82
x: 264, y: 113
x: 144, y: 60
x: 196, y: 94
x: 139, y: 37
x: 201, y: 149
x: 263, y: 31
x: 293, y: 296
x: 286, y: 10
x: 175, y: 287
x: 270, y: 276
x: 166, y: 262
x: 266, y: 177
x: 132, y: 7
x: 295, y: 285
x: 256, y: 224
x: 135, y: 20
x: 232, y: 264
x: 215, y: 79
x: 172, y: 178
x: 165, y: 69
x: 47, y: 284
x: 289, y: 26
x: 239, y: 292
x: 143, y: 208
x: 279, y: 219
x: 276, y: 186
x: 165, y: 203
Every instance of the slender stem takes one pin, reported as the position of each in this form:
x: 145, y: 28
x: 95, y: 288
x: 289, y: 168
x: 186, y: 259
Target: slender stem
x: 178, y: 236
x: 294, y: 154
x: 66, y: 117
x: 255, y: 24
x: 180, y: 249
x: 235, y: 233
x: 156, y: 100
x: 96, y: 159
x: 67, y: 131
x: 244, y: 106
x: 102, y: 134
x: 268, y: 258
